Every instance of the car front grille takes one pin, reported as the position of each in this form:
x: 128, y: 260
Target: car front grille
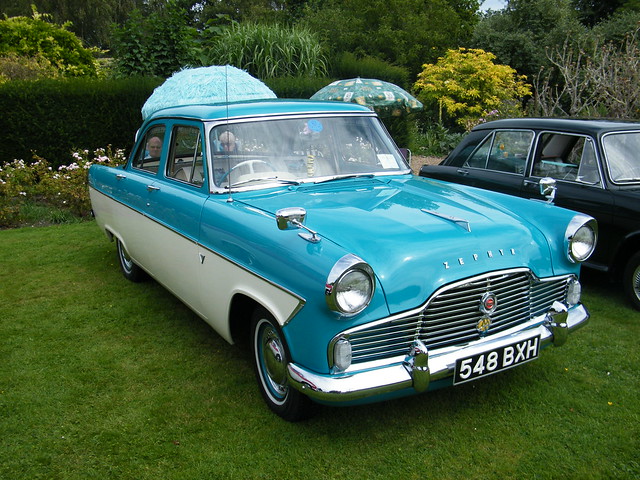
x: 451, y: 315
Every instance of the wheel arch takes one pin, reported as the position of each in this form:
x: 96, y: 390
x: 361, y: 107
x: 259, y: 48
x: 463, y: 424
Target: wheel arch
x: 628, y: 247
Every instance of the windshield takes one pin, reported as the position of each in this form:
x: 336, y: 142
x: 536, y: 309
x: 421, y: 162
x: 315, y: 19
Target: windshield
x: 623, y: 161
x: 301, y: 150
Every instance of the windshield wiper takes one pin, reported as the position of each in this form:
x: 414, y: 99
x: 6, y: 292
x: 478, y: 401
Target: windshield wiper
x: 259, y: 179
x: 345, y: 177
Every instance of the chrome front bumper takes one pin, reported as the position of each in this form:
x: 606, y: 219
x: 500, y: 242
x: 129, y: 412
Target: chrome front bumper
x: 421, y: 367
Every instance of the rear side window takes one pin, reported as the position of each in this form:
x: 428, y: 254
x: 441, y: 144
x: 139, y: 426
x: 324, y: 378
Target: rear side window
x: 150, y: 150
x: 503, y: 151
x: 185, y: 161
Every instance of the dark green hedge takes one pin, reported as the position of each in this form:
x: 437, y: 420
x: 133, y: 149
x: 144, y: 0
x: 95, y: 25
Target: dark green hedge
x: 53, y: 117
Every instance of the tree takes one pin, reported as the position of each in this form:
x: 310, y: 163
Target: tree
x: 466, y: 85
x: 157, y: 44
x: 592, y: 12
x: 598, y: 80
x: 91, y: 20
x: 402, y: 32
x: 36, y: 38
x: 519, y: 34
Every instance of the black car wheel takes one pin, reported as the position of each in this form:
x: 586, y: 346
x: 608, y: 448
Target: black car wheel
x: 632, y: 280
x: 130, y: 270
x: 270, y: 359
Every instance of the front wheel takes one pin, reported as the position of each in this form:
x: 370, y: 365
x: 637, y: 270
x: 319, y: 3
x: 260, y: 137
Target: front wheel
x: 130, y: 270
x: 632, y: 280
x: 270, y: 361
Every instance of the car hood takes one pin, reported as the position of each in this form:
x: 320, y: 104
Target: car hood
x: 416, y: 234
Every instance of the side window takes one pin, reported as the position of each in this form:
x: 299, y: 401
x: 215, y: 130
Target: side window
x: 566, y: 157
x: 185, y: 161
x: 504, y: 151
x: 148, y: 155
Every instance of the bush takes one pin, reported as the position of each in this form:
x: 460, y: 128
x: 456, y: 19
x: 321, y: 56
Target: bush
x: 466, y: 85
x: 296, y: 87
x: 64, y: 188
x: 15, y: 67
x: 348, y: 65
x: 158, y: 44
x: 39, y: 39
x: 52, y: 117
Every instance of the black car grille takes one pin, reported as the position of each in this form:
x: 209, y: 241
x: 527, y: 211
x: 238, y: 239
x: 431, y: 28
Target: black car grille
x: 450, y: 316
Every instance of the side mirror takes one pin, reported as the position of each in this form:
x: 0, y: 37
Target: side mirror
x: 290, y: 218
x: 293, y: 217
x: 548, y: 188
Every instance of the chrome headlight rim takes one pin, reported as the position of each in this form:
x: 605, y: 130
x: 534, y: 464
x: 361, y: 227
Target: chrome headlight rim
x: 346, y: 267
x: 581, y: 238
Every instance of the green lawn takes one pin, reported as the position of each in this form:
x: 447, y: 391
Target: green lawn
x: 102, y: 378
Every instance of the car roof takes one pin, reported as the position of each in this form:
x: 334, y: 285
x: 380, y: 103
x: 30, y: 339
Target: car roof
x: 587, y: 126
x: 257, y: 108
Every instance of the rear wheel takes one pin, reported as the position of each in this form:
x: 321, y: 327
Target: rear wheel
x: 270, y: 359
x: 632, y: 280
x: 130, y: 270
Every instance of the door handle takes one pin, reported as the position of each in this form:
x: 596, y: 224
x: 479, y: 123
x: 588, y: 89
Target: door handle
x: 121, y: 176
x: 152, y: 188
x: 462, y: 171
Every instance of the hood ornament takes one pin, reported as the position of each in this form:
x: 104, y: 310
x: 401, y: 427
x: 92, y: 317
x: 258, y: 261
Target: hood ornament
x: 458, y: 221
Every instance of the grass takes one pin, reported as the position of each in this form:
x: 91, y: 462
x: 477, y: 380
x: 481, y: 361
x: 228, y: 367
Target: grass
x: 102, y: 378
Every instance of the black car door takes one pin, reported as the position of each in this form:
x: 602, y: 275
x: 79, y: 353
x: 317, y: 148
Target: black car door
x: 572, y: 160
x: 496, y: 160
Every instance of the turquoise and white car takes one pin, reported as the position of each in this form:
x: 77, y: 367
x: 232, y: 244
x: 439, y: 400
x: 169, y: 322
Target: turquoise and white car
x: 297, y: 226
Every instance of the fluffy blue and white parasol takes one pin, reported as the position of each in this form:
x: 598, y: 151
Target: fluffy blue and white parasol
x: 206, y: 85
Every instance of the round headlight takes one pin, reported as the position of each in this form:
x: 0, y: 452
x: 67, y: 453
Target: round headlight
x: 350, y: 285
x: 582, y: 235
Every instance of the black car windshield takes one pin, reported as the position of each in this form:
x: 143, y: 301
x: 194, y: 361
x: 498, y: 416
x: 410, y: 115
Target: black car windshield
x: 623, y: 161
x: 301, y: 150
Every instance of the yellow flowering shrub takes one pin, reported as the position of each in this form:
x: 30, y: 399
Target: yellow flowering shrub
x: 468, y: 86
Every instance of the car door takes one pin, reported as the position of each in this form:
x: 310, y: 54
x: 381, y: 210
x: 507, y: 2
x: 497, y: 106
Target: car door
x: 573, y: 161
x: 174, y: 204
x: 495, y: 161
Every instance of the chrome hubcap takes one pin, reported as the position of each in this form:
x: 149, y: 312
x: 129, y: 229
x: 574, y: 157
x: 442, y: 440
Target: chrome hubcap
x: 635, y: 281
x: 274, y: 361
x: 124, y: 258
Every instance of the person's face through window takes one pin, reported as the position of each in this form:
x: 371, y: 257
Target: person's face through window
x: 154, y: 147
x: 228, y: 142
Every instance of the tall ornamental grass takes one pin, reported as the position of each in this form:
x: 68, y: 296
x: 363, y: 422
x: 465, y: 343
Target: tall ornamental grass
x: 268, y: 51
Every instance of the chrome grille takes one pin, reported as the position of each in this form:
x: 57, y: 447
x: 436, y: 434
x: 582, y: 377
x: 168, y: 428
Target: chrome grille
x: 450, y: 316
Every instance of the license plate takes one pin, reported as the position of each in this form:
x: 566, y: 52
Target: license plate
x: 493, y: 361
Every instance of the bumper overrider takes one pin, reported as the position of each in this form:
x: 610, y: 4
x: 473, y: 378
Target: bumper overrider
x: 422, y: 366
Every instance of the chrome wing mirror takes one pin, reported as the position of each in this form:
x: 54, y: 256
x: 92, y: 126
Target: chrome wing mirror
x: 294, y: 217
x: 548, y: 188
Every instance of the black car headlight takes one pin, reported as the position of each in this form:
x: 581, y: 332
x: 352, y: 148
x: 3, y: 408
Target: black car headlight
x: 581, y: 237
x: 350, y: 285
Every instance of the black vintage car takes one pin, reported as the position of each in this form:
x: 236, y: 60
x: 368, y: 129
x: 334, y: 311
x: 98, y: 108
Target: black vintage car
x: 595, y: 165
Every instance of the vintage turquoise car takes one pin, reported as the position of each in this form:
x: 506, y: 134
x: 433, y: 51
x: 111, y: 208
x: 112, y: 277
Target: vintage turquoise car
x: 298, y: 228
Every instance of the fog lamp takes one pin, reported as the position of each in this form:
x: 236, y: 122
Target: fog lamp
x: 342, y: 354
x: 574, y: 291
